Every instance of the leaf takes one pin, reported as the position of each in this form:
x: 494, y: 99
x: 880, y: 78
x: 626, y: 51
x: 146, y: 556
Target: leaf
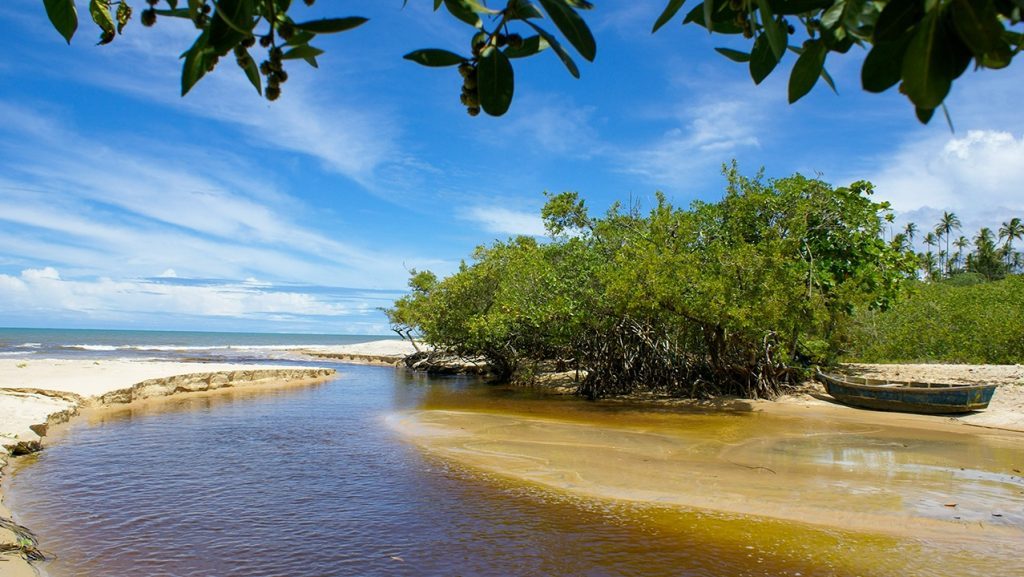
x: 926, y: 75
x: 174, y: 13
x: 301, y: 37
x: 883, y: 66
x: 762, y: 59
x: 734, y: 55
x: 807, y: 69
x: 531, y: 45
x: 669, y: 13
x: 709, y: 8
x: 252, y: 72
x: 227, y: 24
x: 435, y: 57
x: 458, y: 9
x: 924, y: 114
x: 977, y: 24
x: 793, y: 7
x: 195, y: 62
x: 63, y: 16
x: 521, y: 10
x: 331, y: 25
x: 572, y: 27
x: 776, y: 33
x: 100, y: 12
x: 562, y: 54
x: 496, y: 83
x: 828, y: 80
x: 897, y: 17
x: 304, y: 52
x: 124, y: 14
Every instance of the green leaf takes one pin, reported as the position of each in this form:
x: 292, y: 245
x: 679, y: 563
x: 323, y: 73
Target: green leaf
x: 572, y: 27
x: 435, y: 57
x: 807, y: 69
x: 776, y: 33
x: 460, y: 10
x: 734, y: 55
x: 331, y: 25
x: 709, y: 8
x: 496, y: 83
x: 100, y: 12
x: 926, y: 74
x: 793, y: 7
x: 978, y: 25
x: 562, y: 54
x: 897, y: 17
x: 531, y: 45
x: 228, y: 24
x: 883, y: 66
x: 669, y: 13
x: 304, y: 52
x: 174, y: 13
x: 828, y: 80
x: 301, y: 37
x: 924, y: 114
x: 252, y: 72
x: 196, y: 59
x: 63, y: 16
x: 521, y: 10
x: 124, y: 14
x: 762, y: 59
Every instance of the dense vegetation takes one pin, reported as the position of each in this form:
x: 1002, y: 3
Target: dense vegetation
x: 729, y: 297
x: 968, y: 307
x: 962, y: 320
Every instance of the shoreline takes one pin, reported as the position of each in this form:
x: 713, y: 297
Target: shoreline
x: 38, y: 394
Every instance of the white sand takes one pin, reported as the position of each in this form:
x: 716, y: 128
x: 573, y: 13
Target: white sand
x: 383, y: 347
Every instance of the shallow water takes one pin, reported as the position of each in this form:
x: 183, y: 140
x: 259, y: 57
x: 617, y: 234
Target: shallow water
x: 310, y: 481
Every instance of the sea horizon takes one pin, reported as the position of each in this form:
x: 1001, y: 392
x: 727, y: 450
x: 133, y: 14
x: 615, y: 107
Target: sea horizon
x: 138, y: 344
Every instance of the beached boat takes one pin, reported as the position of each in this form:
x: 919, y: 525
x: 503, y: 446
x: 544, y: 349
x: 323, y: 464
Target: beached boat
x: 907, y: 396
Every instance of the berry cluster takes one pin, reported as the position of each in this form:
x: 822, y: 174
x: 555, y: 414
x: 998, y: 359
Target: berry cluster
x: 470, y: 95
x: 273, y: 69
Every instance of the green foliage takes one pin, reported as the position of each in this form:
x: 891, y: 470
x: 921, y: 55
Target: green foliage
x: 963, y: 320
x: 723, y: 297
x: 921, y: 45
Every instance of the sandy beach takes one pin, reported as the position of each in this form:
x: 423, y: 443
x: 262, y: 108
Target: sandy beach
x: 37, y: 393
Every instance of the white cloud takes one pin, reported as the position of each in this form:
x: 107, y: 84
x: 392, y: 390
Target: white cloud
x: 555, y: 125
x: 977, y: 176
x: 169, y: 273
x: 505, y: 221
x: 43, y: 290
x: 711, y: 133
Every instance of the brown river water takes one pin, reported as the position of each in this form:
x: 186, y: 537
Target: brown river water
x: 317, y: 480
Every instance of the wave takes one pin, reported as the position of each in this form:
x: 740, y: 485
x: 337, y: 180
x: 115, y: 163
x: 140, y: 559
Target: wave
x: 29, y: 346
x: 14, y: 353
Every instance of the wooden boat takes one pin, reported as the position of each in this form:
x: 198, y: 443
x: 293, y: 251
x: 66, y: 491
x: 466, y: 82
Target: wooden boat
x: 907, y: 396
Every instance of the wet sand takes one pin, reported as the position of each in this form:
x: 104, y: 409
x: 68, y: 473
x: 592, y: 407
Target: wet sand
x: 803, y: 460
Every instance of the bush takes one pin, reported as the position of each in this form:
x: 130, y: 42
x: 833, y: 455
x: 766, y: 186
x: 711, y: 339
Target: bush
x: 948, y: 322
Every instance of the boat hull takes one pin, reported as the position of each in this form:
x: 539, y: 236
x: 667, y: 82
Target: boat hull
x: 929, y: 398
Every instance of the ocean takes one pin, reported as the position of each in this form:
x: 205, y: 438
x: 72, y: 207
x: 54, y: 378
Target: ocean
x: 164, y: 345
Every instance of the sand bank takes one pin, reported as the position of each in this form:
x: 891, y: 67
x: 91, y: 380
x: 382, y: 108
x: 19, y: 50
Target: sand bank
x: 802, y: 459
x: 35, y: 394
x: 382, y: 352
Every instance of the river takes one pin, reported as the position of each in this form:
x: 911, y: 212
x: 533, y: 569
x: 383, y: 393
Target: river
x: 312, y: 480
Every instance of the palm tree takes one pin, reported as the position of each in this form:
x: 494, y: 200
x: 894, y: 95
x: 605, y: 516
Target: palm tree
x: 960, y: 244
x: 910, y: 229
x: 947, y: 224
x: 1013, y: 230
x: 985, y: 259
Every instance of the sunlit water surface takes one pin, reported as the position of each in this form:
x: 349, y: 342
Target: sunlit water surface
x: 310, y: 481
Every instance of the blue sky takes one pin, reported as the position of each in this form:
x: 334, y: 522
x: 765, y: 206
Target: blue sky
x: 123, y: 205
